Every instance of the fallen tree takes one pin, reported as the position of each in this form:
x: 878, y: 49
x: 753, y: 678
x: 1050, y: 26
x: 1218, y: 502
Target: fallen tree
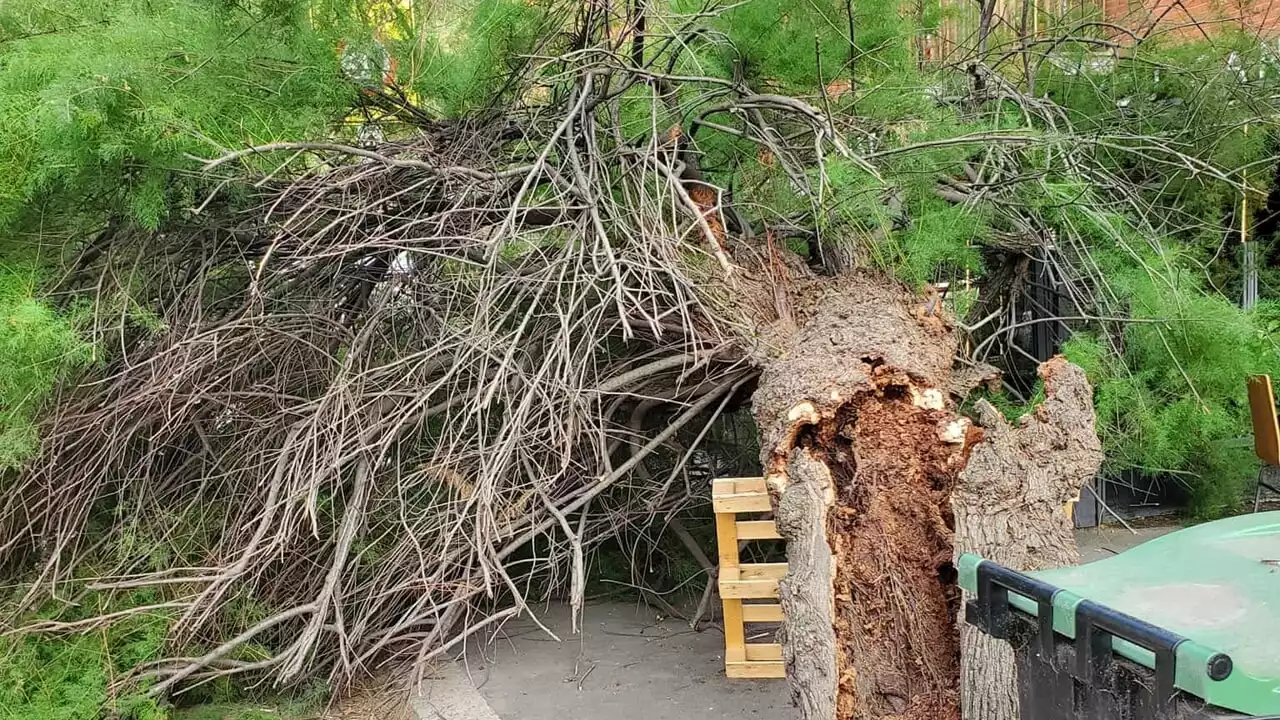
x: 408, y: 392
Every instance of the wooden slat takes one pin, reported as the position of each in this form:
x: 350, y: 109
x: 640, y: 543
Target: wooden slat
x: 739, y: 495
x: 742, y: 503
x: 752, y: 580
x: 735, y: 635
x: 748, y: 589
x: 735, y: 486
x: 758, y: 530
x: 727, y: 549
x: 726, y: 541
x: 738, y: 580
x: 755, y: 670
x: 762, y: 612
x: 763, y: 651
x: 723, y: 487
x: 762, y: 571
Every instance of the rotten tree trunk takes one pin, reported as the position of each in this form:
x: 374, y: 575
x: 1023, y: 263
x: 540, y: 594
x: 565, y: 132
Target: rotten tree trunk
x: 862, y: 455
x: 1009, y: 509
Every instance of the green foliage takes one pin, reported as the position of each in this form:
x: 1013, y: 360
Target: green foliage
x: 1170, y: 383
x: 246, y: 711
x: 101, y: 102
x: 224, y: 700
x: 1207, y: 96
x: 460, y: 70
x: 892, y: 219
x: 1010, y: 408
x: 776, y: 40
x: 225, y: 711
x: 781, y: 41
x: 101, y: 116
x: 940, y: 243
x: 1174, y: 393
x: 897, y: 221
x: 37, y: 348
x: 69, y: 678
x: 865, y: 219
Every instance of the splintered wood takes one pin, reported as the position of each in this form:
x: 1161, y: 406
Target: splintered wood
x: 756, y: 583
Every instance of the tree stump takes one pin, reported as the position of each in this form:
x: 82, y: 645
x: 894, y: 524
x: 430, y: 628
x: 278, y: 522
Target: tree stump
x: 863, y: 457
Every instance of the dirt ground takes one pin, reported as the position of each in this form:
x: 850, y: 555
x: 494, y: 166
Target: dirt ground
x: 1108, y: 540
x: 629, y: 663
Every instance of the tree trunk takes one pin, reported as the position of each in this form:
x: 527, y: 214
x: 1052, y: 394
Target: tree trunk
x: 862, y: 456
x: 1009, y: 508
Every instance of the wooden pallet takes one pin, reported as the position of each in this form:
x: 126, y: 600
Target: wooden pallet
x: 756, y: 583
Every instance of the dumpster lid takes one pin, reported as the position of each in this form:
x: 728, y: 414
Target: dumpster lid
x: 1216, y: 584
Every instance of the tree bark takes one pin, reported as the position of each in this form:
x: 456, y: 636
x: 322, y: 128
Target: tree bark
x: 863, y: 457
x: 1008, y: 508
x: 860, y: 455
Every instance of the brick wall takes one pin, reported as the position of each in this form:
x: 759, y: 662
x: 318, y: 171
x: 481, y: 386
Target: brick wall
x: 1195, y: 18
x: 1177, y: 19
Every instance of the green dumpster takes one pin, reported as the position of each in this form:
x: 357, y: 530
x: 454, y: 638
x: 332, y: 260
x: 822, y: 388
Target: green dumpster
x: 1184, y: 626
